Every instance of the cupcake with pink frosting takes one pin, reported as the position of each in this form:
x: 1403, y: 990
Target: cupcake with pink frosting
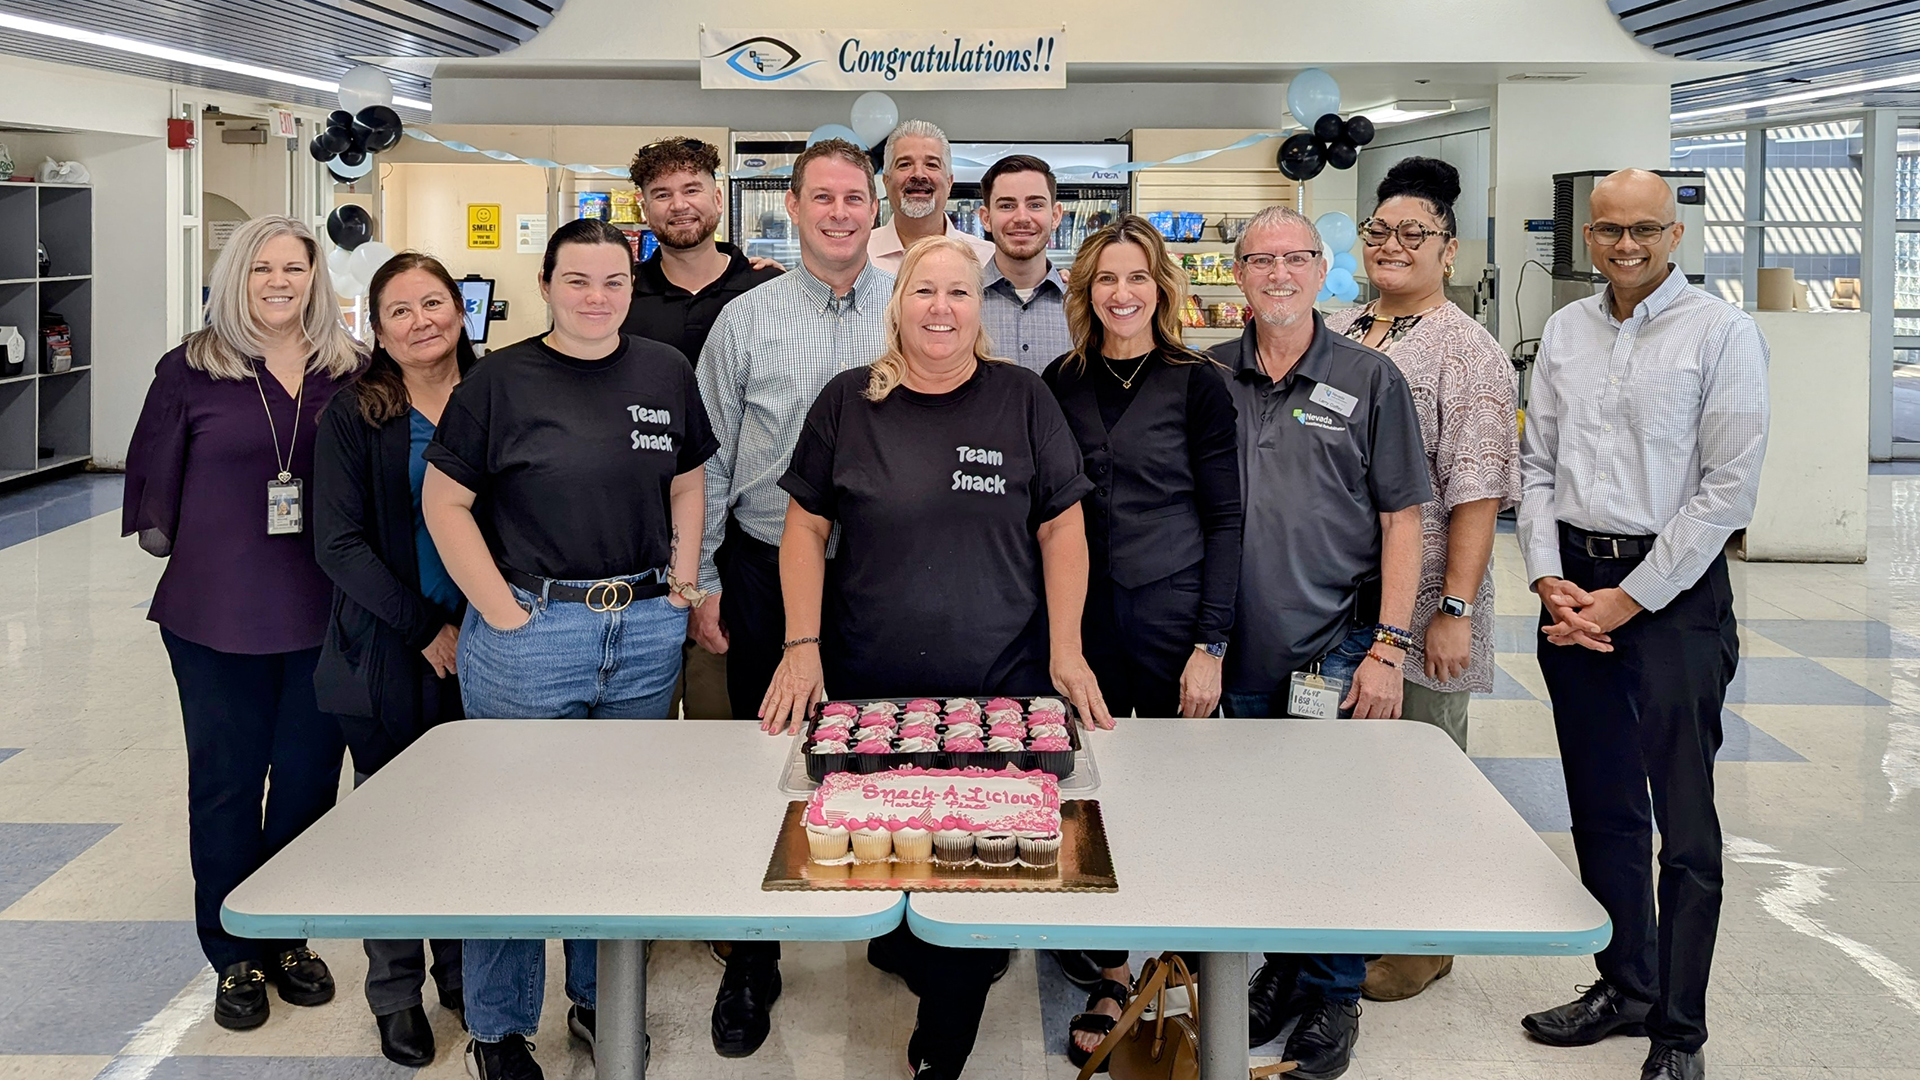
x: 920, y: 704
x: 1001, y: 704
x: 1046, y: 704
x: 1046, y: 716
x: 964, y: 744
x: 839, y: 708
x: 879, y: 708
x: 965, y: 729
x: 1007, y: 729
x: 1050, y: 743
x: 1047, y: 731
x: 1004, y: 744
x: 962, y: 706
x: 919, y: 729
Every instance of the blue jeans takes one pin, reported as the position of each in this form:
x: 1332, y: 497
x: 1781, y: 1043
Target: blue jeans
x: 1333, y: 977
x: 568, y: 662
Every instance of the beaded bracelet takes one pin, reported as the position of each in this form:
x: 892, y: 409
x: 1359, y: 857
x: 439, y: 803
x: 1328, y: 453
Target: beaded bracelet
x: 785, y: 645
x: 1371, y: 655
x: 1387, y: 634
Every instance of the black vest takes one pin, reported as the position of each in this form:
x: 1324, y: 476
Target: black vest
x: 1141, y: 522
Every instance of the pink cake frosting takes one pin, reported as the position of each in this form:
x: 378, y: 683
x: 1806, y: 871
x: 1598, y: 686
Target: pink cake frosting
x: 1046, y: 716
x: 977, y: 800
x: 965, y: 729
x: 999, y: 703
x: 874, y: 746
x: 926, y: 705
x: 965, y: 744
x: 919, y: 744
x: 1047, y: 731
x: 1047, y: 704
x: 962, y: 705
x: 919, y: 731
x: 1004, y: 744
x: 839, y: 708
x: 879, y: 708
x: 1011, y: 729
x: 1050, y: 742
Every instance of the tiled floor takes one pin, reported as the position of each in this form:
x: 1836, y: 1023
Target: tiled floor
x: 1817, y: 972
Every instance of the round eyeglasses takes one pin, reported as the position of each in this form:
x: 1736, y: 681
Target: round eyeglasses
x: 1607, y: 234
x: 1374, y: 232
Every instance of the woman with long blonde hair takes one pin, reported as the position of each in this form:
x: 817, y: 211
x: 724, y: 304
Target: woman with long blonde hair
x: 219, y: 480
x: 962, y: 563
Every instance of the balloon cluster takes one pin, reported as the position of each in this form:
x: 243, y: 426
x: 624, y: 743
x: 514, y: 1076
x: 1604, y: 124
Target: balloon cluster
x: 1331, y: 141
x: 873, y: 118
x: 1339, y: 234
x: 363, y: 125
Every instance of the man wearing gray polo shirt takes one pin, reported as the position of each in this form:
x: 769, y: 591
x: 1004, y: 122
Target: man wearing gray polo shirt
x: 1333, y: 473
x: 770, y: 354
x: 1023, y: 299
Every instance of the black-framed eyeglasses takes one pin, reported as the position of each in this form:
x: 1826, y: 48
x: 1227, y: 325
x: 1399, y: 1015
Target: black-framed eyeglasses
x: 1374, y: 232
x: 1263, y: 261
x: 1607, y: 234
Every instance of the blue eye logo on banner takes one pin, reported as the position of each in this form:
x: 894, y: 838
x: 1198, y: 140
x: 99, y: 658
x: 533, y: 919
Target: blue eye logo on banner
x: 883, y: 59
x: 762, y: 59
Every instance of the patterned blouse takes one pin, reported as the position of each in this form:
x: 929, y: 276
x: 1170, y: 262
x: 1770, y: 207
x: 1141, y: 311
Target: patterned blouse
x: 1464, y: 390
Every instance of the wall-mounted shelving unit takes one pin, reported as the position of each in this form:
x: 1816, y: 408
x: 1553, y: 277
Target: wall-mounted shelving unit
x: 46, y: 419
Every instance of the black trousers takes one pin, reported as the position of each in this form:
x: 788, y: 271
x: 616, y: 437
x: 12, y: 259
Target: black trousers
x: 1643, y: 719
x: 755, y: 615
x: 253, y: 730
x: 952, y: 986
x: 1138, y: 641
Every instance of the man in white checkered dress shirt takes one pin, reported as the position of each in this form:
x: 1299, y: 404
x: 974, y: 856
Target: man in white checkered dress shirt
x: 1646, y: 426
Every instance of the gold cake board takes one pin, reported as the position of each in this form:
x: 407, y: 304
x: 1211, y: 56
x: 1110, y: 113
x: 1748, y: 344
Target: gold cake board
x: 1085, y: 863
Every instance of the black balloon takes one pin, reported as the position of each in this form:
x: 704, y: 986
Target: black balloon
x: 340, y: 119
x: 351, y: 158
x: 319, y: 152
x: 350, y: 226
x: 1342, y: 154
x: 379, y: 125
x: 1329, y: 128
x: 333, y: 141
x: 1359, y: 130
x: 356, y: 142
x: 337, y: 178
x: 1300, y: 157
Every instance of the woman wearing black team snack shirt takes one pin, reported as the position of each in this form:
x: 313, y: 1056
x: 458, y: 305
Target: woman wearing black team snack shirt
x: 961, y: 567
x: 565, y: 497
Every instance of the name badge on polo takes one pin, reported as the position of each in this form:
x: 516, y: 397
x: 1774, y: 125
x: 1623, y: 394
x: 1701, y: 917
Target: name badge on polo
x: 1313, y: 696
x: 1338, y: 400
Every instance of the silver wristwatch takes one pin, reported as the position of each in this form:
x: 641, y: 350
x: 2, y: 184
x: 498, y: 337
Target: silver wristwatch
x: 1456, y: 607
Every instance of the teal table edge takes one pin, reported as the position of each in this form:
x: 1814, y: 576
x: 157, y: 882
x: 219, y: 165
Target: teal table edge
x: 1259, y: 939
x: 590, y: 928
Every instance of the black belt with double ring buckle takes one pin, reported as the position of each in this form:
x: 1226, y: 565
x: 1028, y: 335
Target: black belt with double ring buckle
x: 1604, y: 546
x: 613, y: 594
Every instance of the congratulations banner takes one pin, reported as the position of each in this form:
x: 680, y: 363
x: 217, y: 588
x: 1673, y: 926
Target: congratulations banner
x: 882, y: 59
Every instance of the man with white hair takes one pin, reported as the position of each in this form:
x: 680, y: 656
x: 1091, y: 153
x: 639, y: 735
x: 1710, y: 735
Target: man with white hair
x: 918, y: 176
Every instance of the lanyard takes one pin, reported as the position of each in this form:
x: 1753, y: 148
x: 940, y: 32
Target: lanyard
x: 285, y: 466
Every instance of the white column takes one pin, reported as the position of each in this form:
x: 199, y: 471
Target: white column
x: 1879, y: 158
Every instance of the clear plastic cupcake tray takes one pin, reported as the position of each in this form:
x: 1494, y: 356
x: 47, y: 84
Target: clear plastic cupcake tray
x: 1074, y: 769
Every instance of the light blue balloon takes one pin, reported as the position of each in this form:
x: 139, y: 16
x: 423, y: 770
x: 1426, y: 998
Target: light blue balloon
x: 1338, y: 280
x: 1346, y: 261
x: 1323, y: 296
x: 1311, y: 95
x: 1337, y: 231
x: 874, y: 116
x: 834, y: 131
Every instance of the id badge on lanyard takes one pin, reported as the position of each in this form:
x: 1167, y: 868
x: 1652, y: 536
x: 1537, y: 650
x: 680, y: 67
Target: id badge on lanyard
x: 1313, y: 696
x: 283, y: 507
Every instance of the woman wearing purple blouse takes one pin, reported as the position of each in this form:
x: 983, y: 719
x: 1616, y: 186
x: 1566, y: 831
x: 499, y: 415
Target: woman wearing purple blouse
x: 219, y: 482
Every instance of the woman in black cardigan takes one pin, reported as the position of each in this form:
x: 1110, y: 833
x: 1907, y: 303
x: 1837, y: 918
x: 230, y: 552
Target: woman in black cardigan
x: 386, y: 666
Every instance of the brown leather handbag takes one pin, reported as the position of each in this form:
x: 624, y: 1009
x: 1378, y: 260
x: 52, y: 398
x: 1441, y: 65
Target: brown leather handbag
x: 1166, y: 1047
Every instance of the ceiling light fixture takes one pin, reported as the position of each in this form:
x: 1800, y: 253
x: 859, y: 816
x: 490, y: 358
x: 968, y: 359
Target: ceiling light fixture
x: 1795, y: 98
x: 179, y: 56
x: 1399, y: 112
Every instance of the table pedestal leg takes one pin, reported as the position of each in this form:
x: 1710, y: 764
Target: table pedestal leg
x: 620, y: 1052
x: 1223, y: 1016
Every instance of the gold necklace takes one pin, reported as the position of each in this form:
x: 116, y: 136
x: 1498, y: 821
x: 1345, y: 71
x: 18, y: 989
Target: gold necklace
x: 1126, y: 383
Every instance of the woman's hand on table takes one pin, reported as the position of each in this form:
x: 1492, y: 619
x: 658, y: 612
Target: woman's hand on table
x: 797, y: 684
x: 1200, y: 684
x: 441, y: 651
x: 1072, y: 677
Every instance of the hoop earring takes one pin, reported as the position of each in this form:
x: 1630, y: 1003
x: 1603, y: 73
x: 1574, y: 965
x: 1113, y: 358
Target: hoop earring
x: 1448, y: 272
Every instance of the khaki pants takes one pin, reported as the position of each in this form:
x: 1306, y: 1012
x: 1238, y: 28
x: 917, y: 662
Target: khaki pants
x: 703, y: 685
x: 1447, y: 711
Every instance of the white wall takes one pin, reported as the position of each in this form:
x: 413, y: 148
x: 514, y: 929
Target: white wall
x: 1813, y: 484
x: 1542, y: 129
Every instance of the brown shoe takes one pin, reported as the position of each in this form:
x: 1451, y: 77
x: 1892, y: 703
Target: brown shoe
x: 1397, y: 978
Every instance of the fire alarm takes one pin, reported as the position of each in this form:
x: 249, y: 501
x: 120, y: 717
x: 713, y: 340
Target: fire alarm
x: 180, y: 134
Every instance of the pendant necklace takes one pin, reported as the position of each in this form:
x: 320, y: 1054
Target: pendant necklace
x: 1127, y: 383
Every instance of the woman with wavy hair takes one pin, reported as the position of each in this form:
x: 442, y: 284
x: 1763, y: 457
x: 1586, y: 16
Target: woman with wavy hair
x: 961, y: 569
x: 219, y: 476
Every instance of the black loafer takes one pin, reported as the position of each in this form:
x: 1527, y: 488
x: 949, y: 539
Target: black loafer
x: 1599, y: 1011
x: 1673, y: 1063
x: 406, y: 1038
x: 240, y: 1004
x: 1271, y: 1000
x: 743, y: 1010
x: 1322, y: 1046
x: 301, y: 977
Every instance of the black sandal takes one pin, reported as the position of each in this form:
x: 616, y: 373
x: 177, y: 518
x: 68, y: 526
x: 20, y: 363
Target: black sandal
x: 1097, y: 1023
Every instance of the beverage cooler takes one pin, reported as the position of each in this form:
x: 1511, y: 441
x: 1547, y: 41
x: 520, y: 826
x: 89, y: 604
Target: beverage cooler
x: 1089, y: 200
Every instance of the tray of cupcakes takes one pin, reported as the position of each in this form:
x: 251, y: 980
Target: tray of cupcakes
x: 872, y: 736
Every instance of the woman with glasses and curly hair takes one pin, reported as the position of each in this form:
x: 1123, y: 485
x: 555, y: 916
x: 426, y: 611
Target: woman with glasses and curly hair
x: 1463, y: 390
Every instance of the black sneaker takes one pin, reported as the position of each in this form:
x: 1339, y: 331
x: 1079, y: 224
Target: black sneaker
x: 302, y: 977
x: 240, y: 1004
x: 509, y: 1059
x: 1322, y: 1044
